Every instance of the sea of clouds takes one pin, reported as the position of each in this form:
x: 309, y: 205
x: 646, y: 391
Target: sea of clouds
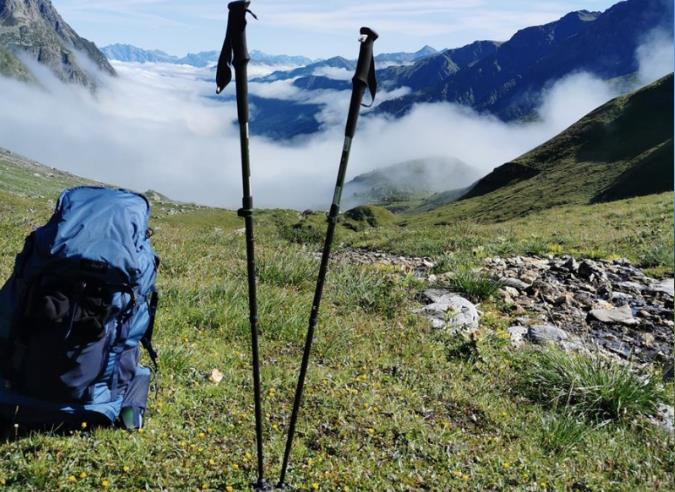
x: 155, y: 127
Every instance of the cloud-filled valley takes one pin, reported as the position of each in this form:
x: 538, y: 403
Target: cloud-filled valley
x: 158, y: 126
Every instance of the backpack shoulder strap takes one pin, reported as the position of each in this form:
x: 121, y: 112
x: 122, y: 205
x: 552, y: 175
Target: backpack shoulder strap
x: 146, y: 341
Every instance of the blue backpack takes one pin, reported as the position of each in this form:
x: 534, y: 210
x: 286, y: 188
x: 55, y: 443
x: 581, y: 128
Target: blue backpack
x: 72, y: 315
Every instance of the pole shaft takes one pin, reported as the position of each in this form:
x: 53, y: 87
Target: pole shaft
x: 247, y: 205
x: 314, y: 315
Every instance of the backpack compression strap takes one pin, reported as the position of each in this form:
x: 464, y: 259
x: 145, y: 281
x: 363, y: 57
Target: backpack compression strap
x: 147, y: 338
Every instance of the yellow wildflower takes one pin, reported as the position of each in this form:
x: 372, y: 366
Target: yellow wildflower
x: 275, y: 427
x: 125, y: 468
x: 371, y: 431
x: 83, y: 425
x: 205, y: 486
x: 315, y: 486
x: 83, y: 475
x: 235, y: 466
x: 105, y: 484
x: 229, y: 488
x: 71, y: 478
x: 201, y: 435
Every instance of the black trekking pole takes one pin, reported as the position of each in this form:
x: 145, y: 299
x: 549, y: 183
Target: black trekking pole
x: 235, y: 53
x: 363, y: 79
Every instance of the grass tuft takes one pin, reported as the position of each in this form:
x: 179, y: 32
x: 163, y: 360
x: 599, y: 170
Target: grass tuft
x: 592, y: 388
x: 562, y: 432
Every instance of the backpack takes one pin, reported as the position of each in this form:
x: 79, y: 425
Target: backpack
x: 81, y: 299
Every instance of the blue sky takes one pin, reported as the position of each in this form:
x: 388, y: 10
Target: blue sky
x: 315, y: 28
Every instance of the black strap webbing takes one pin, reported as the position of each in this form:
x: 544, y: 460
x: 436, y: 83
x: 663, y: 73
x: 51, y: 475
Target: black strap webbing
x: 147, y: 338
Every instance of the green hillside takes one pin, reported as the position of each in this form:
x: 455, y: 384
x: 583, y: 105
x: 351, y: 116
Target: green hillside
x: 620, y: 150
x: 390, y: 403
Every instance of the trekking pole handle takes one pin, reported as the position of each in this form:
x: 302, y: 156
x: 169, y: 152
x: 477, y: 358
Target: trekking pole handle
x: 364, y: 78
x: 237, y: 18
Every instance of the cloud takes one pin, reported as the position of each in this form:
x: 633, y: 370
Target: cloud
x: 655, y: 56
x: 153, y: 128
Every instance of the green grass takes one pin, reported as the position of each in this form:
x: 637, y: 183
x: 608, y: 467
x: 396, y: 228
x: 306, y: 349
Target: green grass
x: 591, y: 388
x: 390, y: 404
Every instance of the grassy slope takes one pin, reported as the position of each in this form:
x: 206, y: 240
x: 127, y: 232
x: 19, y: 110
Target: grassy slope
x: 622, y: 149
x: 390, y: 405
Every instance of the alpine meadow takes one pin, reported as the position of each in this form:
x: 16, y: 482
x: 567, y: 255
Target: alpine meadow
x: 488, y: 288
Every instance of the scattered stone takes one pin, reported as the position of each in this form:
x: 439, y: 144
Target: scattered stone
x: 511, y: 291
x: 514, y: 283
x: 216, y: 376
x: 664, y: 418
x: 601, y: 307
x: 623, y: 315
x: 665, y: 286
x: 450, y: 311
x: 546, y: 333
x: 517, y: 334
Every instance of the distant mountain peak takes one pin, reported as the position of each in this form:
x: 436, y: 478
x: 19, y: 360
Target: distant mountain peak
x: 36, y: 29
x: 426, y: 50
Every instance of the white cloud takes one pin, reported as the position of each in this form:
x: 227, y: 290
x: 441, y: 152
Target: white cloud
x: 655, y: 56
x: 152, y: 127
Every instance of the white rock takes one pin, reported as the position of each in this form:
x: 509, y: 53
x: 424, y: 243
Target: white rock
x: 664, y: 418
x: 666, y: 286
x: 517, y: 334
x: 546, y: 333
x: 453, y: 311
x: 622, y: 315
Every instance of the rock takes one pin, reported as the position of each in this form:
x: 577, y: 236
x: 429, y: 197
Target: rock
x: 432, y: 279
x: 529, y: 277
x: 665, y: 286
x: 450, y: 311
x: 517, y: 334
x: 514, y: 283
x: 664, y: 418
x: 434, y: 295
x: 216, y: 376
x: 630, y: 287
x: 571, y: 265
x: 511, y: 291
x: 587, y: 269
x: 622, y: 315
x: 546, y: 333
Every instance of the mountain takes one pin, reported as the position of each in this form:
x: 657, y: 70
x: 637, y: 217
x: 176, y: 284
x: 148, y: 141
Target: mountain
x: 266, y: 59
x: 129, y: 53
x: 426, y: 74
x: 34, y: 29
x: 620, y: 150
x: 407, y: 180
x: 509, y: 82
x: 336, y: 62
x: 402, y: 58
x: 200, y: 60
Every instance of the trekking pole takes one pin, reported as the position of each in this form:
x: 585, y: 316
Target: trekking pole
x: 235, y: 53
x: 363, y: 79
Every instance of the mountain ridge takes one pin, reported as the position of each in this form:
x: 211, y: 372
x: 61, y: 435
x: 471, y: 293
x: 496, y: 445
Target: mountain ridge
x: 620, y: 150
x: 35, y: 29
x: 509, y: 82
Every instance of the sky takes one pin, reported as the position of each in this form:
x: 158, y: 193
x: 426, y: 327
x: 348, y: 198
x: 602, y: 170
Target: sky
x: 314, y: 28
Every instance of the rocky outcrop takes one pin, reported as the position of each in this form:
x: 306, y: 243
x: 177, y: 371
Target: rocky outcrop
x: 609, y: 307
x: 33, y: 28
